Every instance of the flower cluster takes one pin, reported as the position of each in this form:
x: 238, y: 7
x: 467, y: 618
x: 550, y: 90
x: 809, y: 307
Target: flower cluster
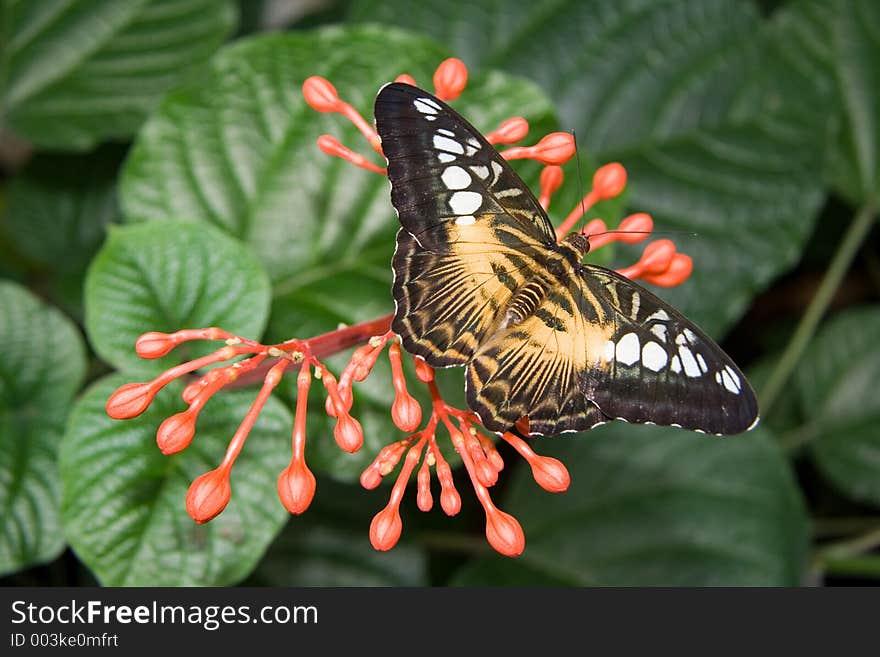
x: 209, y: 493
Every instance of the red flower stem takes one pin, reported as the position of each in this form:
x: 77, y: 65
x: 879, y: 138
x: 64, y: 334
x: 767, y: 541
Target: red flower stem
x: 323, y: 345
x: 224, y: 353
x: 333, y: 342
x: 409, y: 464
x: 237, y: 442
x: 304, y: 381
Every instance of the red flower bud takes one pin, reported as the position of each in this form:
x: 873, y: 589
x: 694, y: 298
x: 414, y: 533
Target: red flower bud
x: 130, y: 400
x: 320, y: 94
x: 406, y: 412
x: 348, y: 433
x: 385, y: 528
x: 408, y: 79
x: 510, y: 131
x: 640, y: 223
x: 678, y: 272
x: 450, y: 501
x: 176, y: 432
x: 450, y: 79
x: 609, y: 180
x: 657, y: 257
x: 504, y: 532
x: 296, y: 487
x: 208, y: 495
x: 550, y: 474
x: 154, y: 344
x: 555, y: 148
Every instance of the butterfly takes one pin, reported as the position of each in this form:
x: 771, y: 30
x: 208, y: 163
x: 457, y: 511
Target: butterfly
x: 480, y: 281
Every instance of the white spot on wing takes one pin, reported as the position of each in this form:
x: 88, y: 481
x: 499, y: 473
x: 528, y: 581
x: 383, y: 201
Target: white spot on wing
x: 481, y: 171
x: 675, y: 366
x: 442, y: 143
x: 455, y: 177
x: 444, y: 131
x: 654, y: 356
x: 660, y: 314
x: 465, y: 220
x: 660, y: 331
x: 465, y: 202
x: 431, y: 102
x: 423, y: 107
x: 446, y: 157
x: 636, y: 302
x: 627, y: 350
x: 687, y: 359
x: 728, y: 382
x: 702, y: 363
x: 473, y: 142
x: 731, y: 380
x: 513, y: 191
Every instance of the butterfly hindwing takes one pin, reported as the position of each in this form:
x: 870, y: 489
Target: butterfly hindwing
x: 664, y: 369
x: 619, y: 353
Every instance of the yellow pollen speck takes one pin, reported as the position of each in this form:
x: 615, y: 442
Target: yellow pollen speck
x: 318, y: 373
x: 430, y: 459
x: 233, y: 341
x: 385, y: 468
x: 375, y: 341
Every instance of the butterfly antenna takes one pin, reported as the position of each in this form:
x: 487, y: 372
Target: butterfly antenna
x: 577, y: 159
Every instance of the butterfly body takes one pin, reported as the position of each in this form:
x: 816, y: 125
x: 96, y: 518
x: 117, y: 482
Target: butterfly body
x: 480, y: 281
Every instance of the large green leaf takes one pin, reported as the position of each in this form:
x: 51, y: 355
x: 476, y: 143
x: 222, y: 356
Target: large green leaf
x: 837, y: 382
x: 684, y: 93
x: 59, y: 207
x: 43, y: 365
x: 165, y: 277
x: 855, y: 32
x: 651, y: 506
x: 123, y: 506
x: 75, y: 72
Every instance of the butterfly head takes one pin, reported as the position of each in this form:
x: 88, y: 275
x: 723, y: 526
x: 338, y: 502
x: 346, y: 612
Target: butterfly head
x: 579, y: 243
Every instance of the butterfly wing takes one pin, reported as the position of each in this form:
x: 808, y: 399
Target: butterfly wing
x: 471, y: 229
x: 613, y: 350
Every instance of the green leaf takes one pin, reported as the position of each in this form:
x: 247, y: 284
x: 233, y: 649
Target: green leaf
x: 59, y: 208
x: 76, y: 72
x: 165, y: 276
x: 855, y: 31
x: 658, y: 506
x: 685, y: 94
x: 837, y: 381
x: 123, y: 507
x: 42, y: 367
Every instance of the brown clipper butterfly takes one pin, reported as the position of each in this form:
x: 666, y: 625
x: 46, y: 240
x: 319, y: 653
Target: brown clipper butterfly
x: 480, y: 281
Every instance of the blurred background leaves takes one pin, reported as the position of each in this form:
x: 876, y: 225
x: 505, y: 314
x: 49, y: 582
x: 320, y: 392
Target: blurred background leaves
x: 751, y: 127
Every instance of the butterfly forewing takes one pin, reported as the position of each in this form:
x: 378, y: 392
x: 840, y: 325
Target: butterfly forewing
x: 471, y: 231
x: 479, y: 280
